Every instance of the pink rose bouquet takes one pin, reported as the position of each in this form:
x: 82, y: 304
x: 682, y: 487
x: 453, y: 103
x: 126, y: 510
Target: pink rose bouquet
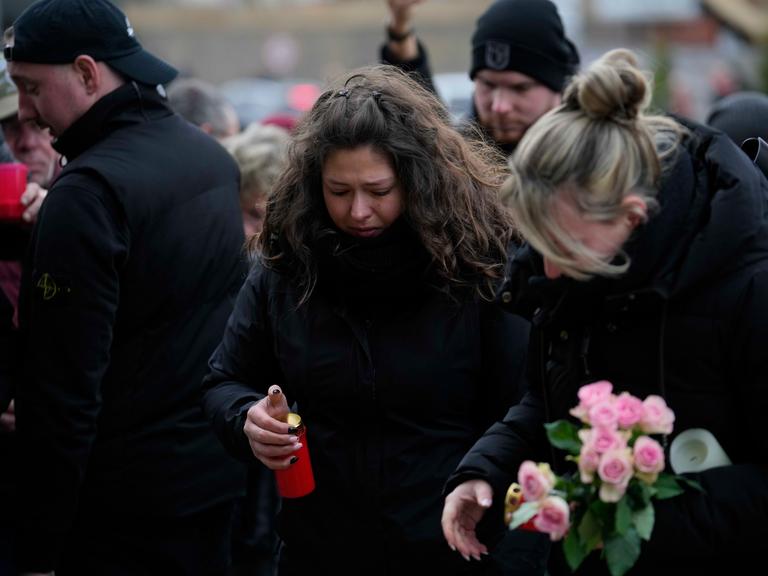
x: 607, y: 504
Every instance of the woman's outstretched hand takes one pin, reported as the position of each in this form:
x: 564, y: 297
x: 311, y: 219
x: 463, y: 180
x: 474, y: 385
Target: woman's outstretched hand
x: 464, y: 507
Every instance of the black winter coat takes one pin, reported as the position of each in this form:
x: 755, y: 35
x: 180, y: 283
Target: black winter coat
x: 394, y: 381
x: 135, y: 262
x: 689, y: 321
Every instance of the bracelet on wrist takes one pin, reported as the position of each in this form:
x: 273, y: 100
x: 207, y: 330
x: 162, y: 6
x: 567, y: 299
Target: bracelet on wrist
x: 396, y: 37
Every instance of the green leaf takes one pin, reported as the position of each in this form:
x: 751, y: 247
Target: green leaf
x: 690, y: 483
x: 667, y: 487
x: 643, y: 520
x: 623, y: 518
x: 574, y: 550
x: 645, y: 494
x: 562, y: 434
x: 621, y: 552
x: 526, y: 511
x: 590, y: 531
x: 601, y: 509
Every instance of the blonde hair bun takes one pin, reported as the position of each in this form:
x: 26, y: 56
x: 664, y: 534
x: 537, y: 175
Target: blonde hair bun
x: 612, y: 88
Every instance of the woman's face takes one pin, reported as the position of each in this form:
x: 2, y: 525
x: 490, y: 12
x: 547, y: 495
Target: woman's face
x: 603, y: 238
x: 361, y: 191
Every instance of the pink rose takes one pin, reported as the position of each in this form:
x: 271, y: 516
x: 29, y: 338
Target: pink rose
x: 615, y: 470
x: 602, y: 440
x: 657, y: 417
x: 603, y: 414
x: 630, y: 410
x: 649, y: 459
x: 553, y: 517
x: 589, y: 395
x: 588, y: 461
x: 535, y: 480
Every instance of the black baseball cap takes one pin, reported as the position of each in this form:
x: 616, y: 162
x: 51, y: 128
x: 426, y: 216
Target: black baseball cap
x: 58, y: 31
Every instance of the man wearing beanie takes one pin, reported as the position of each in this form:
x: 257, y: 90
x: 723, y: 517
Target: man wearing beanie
x: 134, y: 264
x: 521, y: 60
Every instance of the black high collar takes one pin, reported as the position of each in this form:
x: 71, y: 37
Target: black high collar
x: 131, y: 103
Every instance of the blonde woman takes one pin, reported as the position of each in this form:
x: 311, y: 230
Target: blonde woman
x: 646, y: 265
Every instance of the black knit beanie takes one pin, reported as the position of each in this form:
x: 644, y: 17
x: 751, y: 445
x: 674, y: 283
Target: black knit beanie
x: 525, y: 36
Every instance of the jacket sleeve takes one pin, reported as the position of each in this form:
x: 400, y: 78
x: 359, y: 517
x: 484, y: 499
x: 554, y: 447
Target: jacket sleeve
x: 504, y: 359
x: 81, y: 243
x: 419, y: 67
x: 519, y: 435
x: 497, y: 455
x: 729, y: 519
x: 243, y: 366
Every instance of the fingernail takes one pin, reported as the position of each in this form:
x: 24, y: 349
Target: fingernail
x: 293, y: 440
x: 275, y: 391
x: 465, y: 557
x: 294, y: 459
x: 292, y: 429
x: 486, y: 502
x: 26, y: 217
x: 452, y: 547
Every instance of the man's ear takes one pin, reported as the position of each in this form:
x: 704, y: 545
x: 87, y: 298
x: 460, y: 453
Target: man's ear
x: 636, y: 210
x: 88, y: 73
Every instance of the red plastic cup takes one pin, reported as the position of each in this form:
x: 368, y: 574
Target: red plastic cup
x: 297, y: 480
x: 13, y: 182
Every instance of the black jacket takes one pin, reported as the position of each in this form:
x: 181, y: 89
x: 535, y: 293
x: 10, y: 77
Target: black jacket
x: 135, y: 262
x: 394, y: 381
x: 689, y: 321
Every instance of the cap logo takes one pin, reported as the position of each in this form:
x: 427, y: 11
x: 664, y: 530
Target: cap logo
x: 496, y: 55
x: 129, y: 28
x: 9, y: 39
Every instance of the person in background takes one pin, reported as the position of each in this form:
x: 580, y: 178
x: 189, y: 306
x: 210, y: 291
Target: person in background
x: 134, y: 264
x: 520, y: 62
x: 647, y: 266
x: 30, y: 145
x: 261, y: 152
x: 203, y: 105
x: 741, y: 115
x: 369, y: 305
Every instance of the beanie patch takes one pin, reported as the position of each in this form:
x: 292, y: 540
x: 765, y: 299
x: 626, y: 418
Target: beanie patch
x: 497, y: 55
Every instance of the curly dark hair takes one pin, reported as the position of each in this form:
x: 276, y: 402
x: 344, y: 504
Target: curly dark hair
x: 451, y: 182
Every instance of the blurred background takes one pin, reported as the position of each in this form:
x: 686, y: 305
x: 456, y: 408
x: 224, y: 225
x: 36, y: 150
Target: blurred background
x: 269, y: 56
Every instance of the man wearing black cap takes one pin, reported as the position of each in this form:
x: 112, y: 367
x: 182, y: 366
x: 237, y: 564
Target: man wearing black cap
x: 134, y: 264
x: 521, y: 60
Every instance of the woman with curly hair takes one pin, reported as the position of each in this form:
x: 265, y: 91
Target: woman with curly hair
x: 369, y: 305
